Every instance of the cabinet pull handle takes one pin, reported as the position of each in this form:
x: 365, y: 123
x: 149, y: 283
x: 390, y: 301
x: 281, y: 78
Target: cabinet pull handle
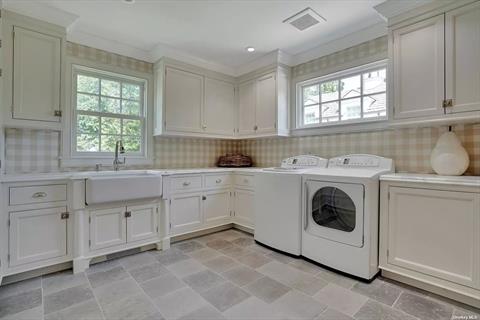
x: 37, y: 195
x: 65, y: 215
x: 128, y: 214
x: 255, y: 128
x: 186, y: 183
x: 204, y: 198
x: 218, y: 180
x: 57, y: 113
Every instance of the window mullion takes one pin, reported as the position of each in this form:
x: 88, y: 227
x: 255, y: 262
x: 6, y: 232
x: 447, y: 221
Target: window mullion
x: 320, y: 116
x: 361, y: 95
x: 339, y: 99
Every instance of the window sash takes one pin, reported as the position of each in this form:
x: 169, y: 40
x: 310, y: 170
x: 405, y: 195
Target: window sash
x: 358, y: 71
x: 77, y: 112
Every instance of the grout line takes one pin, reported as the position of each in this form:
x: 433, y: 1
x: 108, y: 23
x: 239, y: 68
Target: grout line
x: 95, y: 296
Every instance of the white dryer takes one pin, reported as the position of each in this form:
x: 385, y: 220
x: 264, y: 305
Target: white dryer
x: 340, y: 213
x: 278, y: 203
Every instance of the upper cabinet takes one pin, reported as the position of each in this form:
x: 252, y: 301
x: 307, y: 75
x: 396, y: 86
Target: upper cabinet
x: 263, y: 105
x: 191, y: 101
x: 33, y: 60
x: 435, y: 65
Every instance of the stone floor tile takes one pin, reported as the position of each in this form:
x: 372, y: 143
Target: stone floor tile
x: 253, y: 308
x: 20, y: 302
x: 332, y: 314
x: 162, y: 285
x: 103, y: 266
x: 205, y: 313
x: 373, y: 310
x: 137, y: 260
x: 297, y: 305
x: 102, y: 278
x: 29, y: 314
x: 218, y: 244
x: 341, y: 299
x: 230, y: 234
x: 16, y: 288
x: 116, y: 290
x: 66, y: 298
x: 185, y: 267
x: 307, y: 284
x: 379, y: 291
x: 204, y: 280
x: 259, y: 248
x: 62, y: 280
x: 170, y: 256
x: 242, y: 275
x: 147, y: 272
x: 267, y: 289
x: 220, y: 264
x: 280, y: 257
x: 179, y: 303
x: 88, y: 310
x: 306, y: 266
x: 243, y: 241
x: 188, y: 246
x: 235, y: 251
x: 207, y: 238
x: 423, y: 308
x: 336, y: 278
x: 204, y: 254
x: 466, y: 314
x: 137, y: 307
x: 254, y: 260
x: 225, y: 295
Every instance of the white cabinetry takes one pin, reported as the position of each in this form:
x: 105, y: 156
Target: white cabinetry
x: 430, y: 233
x: 263, y: 105
x: 435, y: 66
x: 37, y: 235
x: 219, y: 109
x: 186, y: 212
x: 217, y: 206
x: 244, y: 207
x: 142, y: 222
x: 34, y: 67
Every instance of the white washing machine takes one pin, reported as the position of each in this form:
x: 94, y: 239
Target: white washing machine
x: 340, y: 213
x: 278, y: 203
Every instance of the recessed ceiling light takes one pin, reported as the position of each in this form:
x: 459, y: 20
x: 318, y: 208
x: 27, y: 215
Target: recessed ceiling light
x: 250, y: 49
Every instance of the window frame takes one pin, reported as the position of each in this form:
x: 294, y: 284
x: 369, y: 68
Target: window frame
x: 350, y: 72
x: 113, y: 76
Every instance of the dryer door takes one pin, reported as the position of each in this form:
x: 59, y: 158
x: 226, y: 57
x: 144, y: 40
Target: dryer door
x: 334, y: 211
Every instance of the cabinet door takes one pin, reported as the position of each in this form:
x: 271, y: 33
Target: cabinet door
x: 37, y: 235
x: 142, y: 222
x: 418, y: 69
x: 183, y: 101
x: 219, y: 107
x: 463, y: 58
x: 244, y: 207
x: 216, y: 206
x: 435, y: 232
x: 265, y: 112
x: 186, y: 212
x: 36, y: 75
x: 108, y: 228
x: 246, y: 108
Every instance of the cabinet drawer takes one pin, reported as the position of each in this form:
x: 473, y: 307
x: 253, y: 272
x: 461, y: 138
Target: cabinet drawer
x: 218, y: 180
x: 37, y: 194
x: 186, y: 183
x: 244, y: 180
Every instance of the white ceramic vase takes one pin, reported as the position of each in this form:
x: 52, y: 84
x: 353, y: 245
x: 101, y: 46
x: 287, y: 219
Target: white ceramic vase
x: 449, y: 157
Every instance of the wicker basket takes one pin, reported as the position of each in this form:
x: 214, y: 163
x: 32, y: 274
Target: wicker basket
x: 234, y: 160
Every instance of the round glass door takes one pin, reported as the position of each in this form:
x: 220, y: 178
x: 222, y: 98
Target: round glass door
x: 333, y: 208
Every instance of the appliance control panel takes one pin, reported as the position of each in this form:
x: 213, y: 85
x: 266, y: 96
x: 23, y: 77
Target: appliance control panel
x: 304, y: 161
x: 361, y: 161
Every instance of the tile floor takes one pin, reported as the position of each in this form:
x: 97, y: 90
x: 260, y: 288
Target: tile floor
x: 224, y: 275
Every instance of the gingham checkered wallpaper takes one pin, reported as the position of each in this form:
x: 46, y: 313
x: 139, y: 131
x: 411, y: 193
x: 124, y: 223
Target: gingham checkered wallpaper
x: 409, y: 147
x: 29, y: 151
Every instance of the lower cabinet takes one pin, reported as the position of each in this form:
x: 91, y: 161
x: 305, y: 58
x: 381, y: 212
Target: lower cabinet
x: 244, y: 207
x: 37, y: 235
x: 185, y: 212
x: 431, y: 233
x: 117, y: 226
x: 217, y: 208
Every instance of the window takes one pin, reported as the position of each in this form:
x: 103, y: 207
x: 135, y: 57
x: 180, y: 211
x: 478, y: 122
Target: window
x: 355, y: 95
x: 108, y: 107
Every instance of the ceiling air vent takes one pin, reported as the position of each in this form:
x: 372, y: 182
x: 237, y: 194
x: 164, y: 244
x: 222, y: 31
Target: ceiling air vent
x: 305, y: 19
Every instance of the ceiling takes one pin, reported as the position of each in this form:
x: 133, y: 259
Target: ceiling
x: 211, y: 31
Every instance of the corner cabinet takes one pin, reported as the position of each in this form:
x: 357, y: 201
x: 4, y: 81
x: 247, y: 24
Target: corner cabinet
x: 34, y: 66
x: 429, y: 232
x: 190, y: 101
x: 434, y: 66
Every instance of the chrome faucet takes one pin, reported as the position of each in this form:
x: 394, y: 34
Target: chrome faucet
x: 118, y: 149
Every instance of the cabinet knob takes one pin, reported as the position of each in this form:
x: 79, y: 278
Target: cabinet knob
x: 218, y: 180
x: 204, y: 198
x: 128, y: 214
x: 57, y: 113
x: 37, y: 195
x: 255, y: 128
x: 186, y: 183
x: 204, y: 126
x: 65, y: 215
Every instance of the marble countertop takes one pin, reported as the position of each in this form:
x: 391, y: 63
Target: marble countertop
x: 470, y: 181
x: 56, y: 176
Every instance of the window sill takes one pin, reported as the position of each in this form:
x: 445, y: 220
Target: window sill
x: 80, y: 162
x: 334, y: 128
